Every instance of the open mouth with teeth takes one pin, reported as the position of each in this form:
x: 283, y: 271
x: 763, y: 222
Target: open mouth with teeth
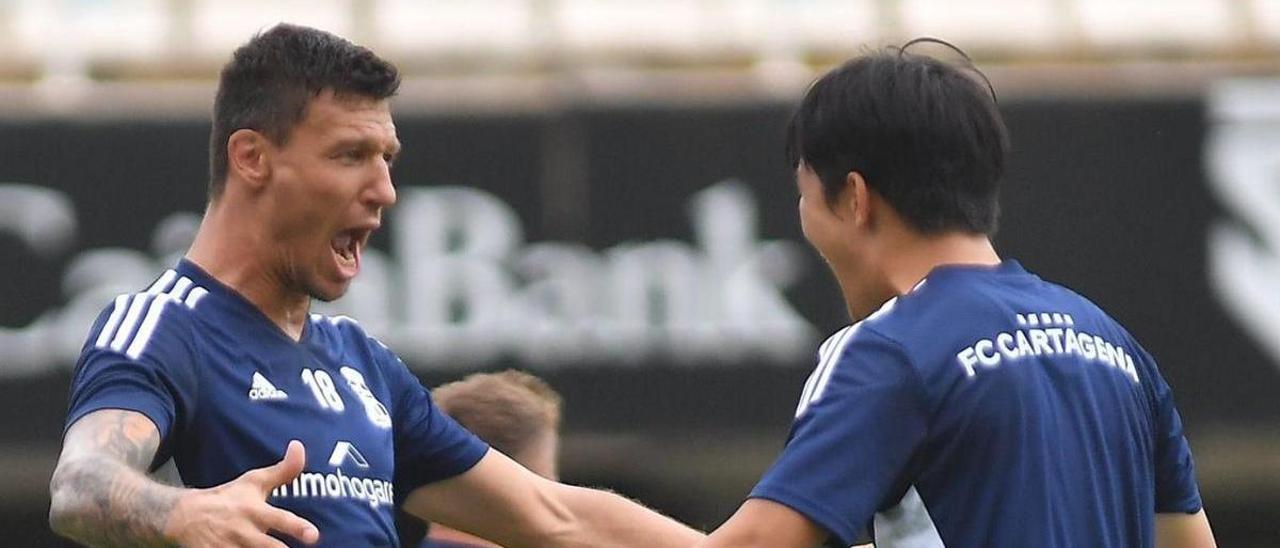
x: 346, y: 249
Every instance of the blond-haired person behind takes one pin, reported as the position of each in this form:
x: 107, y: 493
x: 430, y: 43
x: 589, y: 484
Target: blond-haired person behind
x: 514, y: 412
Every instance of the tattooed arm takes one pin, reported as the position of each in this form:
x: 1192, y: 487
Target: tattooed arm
x: 101, y: 495
x: 100, y: 492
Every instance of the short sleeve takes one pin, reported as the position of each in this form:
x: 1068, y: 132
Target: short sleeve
x: 430, y: 446
x: 138, y: 358
x: 859, y: 421
x: 1175, y: 470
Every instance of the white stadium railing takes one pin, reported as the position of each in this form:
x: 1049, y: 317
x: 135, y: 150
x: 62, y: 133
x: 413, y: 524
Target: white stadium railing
x: 65, y: 37
x: 111, y: 56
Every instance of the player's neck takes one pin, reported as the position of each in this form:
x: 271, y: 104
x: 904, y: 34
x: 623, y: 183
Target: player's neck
x: 442, y: 533
x: 917, y: 258
x: 232, y: 252
x: 902, y: 261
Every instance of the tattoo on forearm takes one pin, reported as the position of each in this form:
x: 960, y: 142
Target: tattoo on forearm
x: 129, y: 437
x: 101, y: 493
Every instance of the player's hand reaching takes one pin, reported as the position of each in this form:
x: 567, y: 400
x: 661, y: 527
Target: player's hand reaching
x: 236, y: 513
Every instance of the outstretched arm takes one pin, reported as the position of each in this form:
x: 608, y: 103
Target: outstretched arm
x: 1184, y: 531
x: 502, y: 501
x: 765, y: 523
x: 101, y: 495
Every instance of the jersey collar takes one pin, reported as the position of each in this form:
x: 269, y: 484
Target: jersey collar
x: 1005, y: 268
x: 231, y: 301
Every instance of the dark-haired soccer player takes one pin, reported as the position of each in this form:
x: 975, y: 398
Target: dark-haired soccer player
x: 972, y: 404
x: 219, y: 364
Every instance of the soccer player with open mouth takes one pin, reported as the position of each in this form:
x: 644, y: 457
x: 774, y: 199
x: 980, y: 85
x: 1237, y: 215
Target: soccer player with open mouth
x: 289, y: 427
x: 971, y: 403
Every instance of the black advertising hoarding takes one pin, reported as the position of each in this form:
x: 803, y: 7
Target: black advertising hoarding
x: 675, y: 251
x: 648, y: 261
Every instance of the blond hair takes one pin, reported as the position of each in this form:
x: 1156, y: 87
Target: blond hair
x: 509, y: 410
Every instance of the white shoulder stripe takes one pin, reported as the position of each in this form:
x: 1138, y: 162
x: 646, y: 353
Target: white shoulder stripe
x: 109, y: 328
x: 826, y: 345
x: 179, y: 290
x: 833, y: 346
x: 832, y: 361
x: 836, y: 341
x: 127, y: 326
x: 830, y: 356
x: 335, y: 320
x: 194, y: 297
x: 130, y: 321
x: 162, y: 284
x: 824, y: 352
x: 148, y: 326
x: 884, y: 309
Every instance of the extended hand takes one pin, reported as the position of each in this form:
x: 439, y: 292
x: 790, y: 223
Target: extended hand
x: 236, y: 513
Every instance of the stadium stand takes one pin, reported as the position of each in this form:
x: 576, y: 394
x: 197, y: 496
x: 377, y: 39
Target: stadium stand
x: 121, y: 39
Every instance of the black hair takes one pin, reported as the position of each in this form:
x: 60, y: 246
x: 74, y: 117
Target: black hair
x: 925, y: 134
x: 270, y: 80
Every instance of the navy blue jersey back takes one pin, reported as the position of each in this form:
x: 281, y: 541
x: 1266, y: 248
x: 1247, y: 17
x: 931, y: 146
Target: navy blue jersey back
x: 985, y: 408
x: 227, y: 389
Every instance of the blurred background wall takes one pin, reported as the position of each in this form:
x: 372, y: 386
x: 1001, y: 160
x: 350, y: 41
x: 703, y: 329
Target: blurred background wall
x: 595, y: 190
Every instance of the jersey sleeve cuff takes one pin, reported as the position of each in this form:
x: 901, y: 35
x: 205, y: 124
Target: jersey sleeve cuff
x: 1190, y: 505
x: 159, y: 416
x: 470, y: 457
x: 845, y: 531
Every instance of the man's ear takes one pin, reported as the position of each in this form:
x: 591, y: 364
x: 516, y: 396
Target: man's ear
x: 249, y: 157
x: 856, y: 199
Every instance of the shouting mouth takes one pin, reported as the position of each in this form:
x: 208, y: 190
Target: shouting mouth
x: 347, y: 246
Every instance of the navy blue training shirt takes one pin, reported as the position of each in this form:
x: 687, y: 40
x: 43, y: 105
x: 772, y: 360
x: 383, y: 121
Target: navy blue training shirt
x: 227, y: 390
x: 989, y: 408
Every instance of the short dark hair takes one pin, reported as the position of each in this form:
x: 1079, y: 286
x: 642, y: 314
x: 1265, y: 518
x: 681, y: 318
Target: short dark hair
x: 269, y: 81
x: 925, y: 134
